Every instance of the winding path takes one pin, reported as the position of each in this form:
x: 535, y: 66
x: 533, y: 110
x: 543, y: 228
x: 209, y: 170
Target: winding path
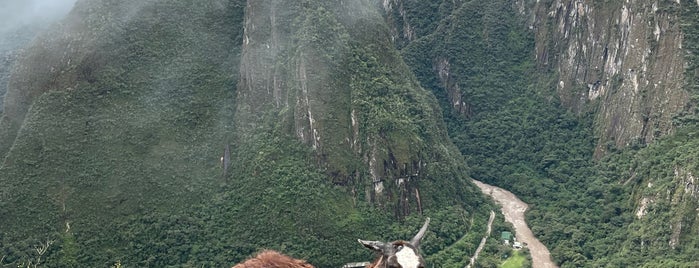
x: 514, y: 209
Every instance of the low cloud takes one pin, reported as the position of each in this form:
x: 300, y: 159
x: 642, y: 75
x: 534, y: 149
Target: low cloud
x: 15, y: 14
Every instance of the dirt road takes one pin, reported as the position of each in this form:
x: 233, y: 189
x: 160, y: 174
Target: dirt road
x: 485, y: 238
x: 514, y: 209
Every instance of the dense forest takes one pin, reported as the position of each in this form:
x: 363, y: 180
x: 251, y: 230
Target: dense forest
x: 146, y: 133
x: 186, y: 133
x: 503, y: 114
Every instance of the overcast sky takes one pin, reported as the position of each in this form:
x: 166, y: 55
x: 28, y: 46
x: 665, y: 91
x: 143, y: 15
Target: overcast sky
x: 15, y: 13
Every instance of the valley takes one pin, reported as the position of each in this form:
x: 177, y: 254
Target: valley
x: 168, y: 133
x: 513, y: 208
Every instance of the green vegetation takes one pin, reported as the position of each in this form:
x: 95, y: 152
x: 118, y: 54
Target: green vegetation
x: 666, y: 228
x: 690, y: 29
x: 117, y: 161
x: 136, y: 140
x: 122, y: 168
x: 370, y: 119
x: 514, y: 135
x: 517, y: 260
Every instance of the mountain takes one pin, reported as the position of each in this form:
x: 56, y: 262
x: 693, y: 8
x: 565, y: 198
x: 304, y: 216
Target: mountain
x: 181, y: 133
x: 20, y: 22
x: 317, y: 75
x: 587, y: 110
x: 634, y: 64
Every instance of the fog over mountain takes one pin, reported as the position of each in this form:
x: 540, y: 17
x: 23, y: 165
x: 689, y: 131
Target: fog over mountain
x: 20, y: 22
x: 20, y: 13
x: 184, y: 133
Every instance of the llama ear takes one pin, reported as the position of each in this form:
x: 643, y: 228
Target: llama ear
x: 373, y: 245
x: 416, y: 240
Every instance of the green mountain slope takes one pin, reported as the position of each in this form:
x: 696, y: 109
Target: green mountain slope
x: 120, y: 124
x: 180, y: 133
x: 513, y: 80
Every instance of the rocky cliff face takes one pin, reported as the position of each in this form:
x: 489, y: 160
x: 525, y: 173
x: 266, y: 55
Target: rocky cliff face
x: 630, y: 67
x: 624, y: 60
x: 252, y: 123
x: 328, y: 76
x: 633, y: 64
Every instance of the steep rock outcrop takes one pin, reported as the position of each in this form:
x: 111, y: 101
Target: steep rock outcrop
x: 633, y: 64
x: 629, y: 66
x: 309, y: 72
x: 116, y: 121
x: 625, y: 60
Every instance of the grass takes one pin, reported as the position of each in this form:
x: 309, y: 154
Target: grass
x: 515, y: 261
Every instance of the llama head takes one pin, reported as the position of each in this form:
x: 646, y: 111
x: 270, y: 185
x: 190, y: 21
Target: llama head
x: 398, y: 254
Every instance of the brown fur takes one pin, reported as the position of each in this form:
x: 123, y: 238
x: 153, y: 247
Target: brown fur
x: 273, y: 259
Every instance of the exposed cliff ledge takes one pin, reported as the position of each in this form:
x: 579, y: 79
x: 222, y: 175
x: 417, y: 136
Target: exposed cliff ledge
x: 627, y: 68
x: 124, y: 112
x: 329, y: 76
x: 624, y: 59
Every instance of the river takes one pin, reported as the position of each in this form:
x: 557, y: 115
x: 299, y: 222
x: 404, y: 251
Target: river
x: 513, y: 208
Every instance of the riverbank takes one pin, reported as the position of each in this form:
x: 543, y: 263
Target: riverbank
x: 513, y: 208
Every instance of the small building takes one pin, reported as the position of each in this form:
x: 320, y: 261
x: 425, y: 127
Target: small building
x: 506, y: 237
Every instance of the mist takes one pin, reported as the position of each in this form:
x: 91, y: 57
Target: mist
x: 20, y: 22
x: 17, y: 14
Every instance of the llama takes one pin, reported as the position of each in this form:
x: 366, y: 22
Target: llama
x: 273, y: 259
x: 396, y: 254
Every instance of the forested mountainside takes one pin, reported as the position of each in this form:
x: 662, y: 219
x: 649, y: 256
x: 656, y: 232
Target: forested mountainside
x: 187, y: 133
x: 586, y: 109
x: 20, y: 21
